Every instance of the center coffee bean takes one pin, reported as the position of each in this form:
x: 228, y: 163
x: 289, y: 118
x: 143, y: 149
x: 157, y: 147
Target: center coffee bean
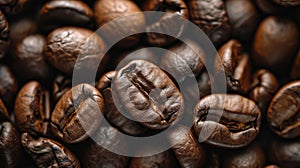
x: 148, y: 94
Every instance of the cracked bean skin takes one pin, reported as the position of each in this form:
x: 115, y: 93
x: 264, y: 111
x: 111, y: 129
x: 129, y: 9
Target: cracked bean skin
x: 77, y: 114
x: 147, y: 94
x: 48, y: 153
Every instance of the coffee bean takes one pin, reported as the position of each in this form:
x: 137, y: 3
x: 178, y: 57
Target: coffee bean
x: 48, y: 153
x: 3, y: 112
x: 13, y: 7
x: 287, y: 2
x: 77, y: 114
x: 4, y: 35
x: 235, y: 64
x: 295, y: 73
x: 61, y: 85
x: 176, y: 12
x: 271, y: 166
x: 284, y: 113
x: 75, y: 13
x: 229, y: 121
x: 8, y: 85
x: 32, y: 109
x: 108, y: 10
x: 268, y: 7
x: 211, y: 17
x: 148, y: 94
x: 66, y: 45
x: 186, y: 148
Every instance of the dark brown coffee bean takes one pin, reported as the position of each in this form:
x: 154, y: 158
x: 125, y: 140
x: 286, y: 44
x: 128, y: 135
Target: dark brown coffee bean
x: 112, y: 114
x: 186, y: 148
x: 267, y: 6
x: 66, y: 45
x: 175, y: 12
x: 271, y: 166
x: 29, y: 61
x: 276, y: 41
x: 284, y: 153
x: 243, y: 17
x: 32, y: 109
x: 49, y: 153
x: 287, y: 2
x: 263, y: 87
x: 164, y: 159
x: 21, y: 28
x: 4, y: 35
x: 61, y: 85
x: 10, y: 146
x: 8, y: 86
x: 235, y: 64
x: 252, y: 156
x: 60, y: 13
x: 211, y: 17
x: 230, y: 121
x: 3, y: 112
x: 184, y: 60
x: 295, y: 73
x: 82, y: 104
x: 148, y: 94
x: 284, y: 111
x: 132, y: 22
x: 13, y: 7
x: 94, y: 155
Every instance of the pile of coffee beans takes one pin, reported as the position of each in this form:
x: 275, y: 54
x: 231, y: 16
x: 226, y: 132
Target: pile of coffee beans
x: 142, y: 83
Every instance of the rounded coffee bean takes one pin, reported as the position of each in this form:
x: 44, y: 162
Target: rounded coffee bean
x: 252, y: 156
x: 61, y: 85
x: 66, y: 45
x: 295, y: 73
x: 186, y: 148
x: 243, y: 17
x: 10, y: 146
x: 112, y: 113
x: 13, y: 7
x: 147, y: 94
x: 128, y: 21
x: 287, y: 2
x: 77, y: 114
x: 263, y: 87
x: 48, y: 153
x: 4, y: 35
x: 235, y: 64
x: 271, y: 166
x: 21, y: 28
x: 276, y: 41
x: 29, y: 61
x: 284, y: 111
x: 232, y: 120
x: 211, y: 17
x: 8, y: 86
x: 65, y: 13
x: 32, y: 109
x: 176, y: 12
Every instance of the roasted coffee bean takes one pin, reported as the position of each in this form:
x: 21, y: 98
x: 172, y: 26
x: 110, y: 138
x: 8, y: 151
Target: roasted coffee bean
x: 284, y: 111
x: 3, y: 112
x: 211, y: 17
x: 94, y: 155
x: 48, y: 153
x: 175, y: 12
x: 13, y: 7
x: 148, y: 94
x: 164, y: 159
x: 77, y: 114
x: 287, y: 2
x: 295, y: 73
x: 263, y: 87
x: 252, y: 156
x: 61, y: 85
x: 267, y: 6
x: 10, y: 146
x: 186, y: 148
x: 28, y: 25
x: 184, y: 60
x: 32, y: 109
x: 66, y: 45
x: 276, y: 41
x: 29, y: 61
x: 271, y: 166
x: 4, y: 35
x: 243, y: 17
x: 128, y: 20
x: 75, y: 13
x: 284, y: 153
x: 8, y: 86
x: 229, y: 121
x: 235, y: 64
x: 112, y: 114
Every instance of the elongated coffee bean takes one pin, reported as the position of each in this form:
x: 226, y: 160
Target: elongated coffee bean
x: 232, y: 120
